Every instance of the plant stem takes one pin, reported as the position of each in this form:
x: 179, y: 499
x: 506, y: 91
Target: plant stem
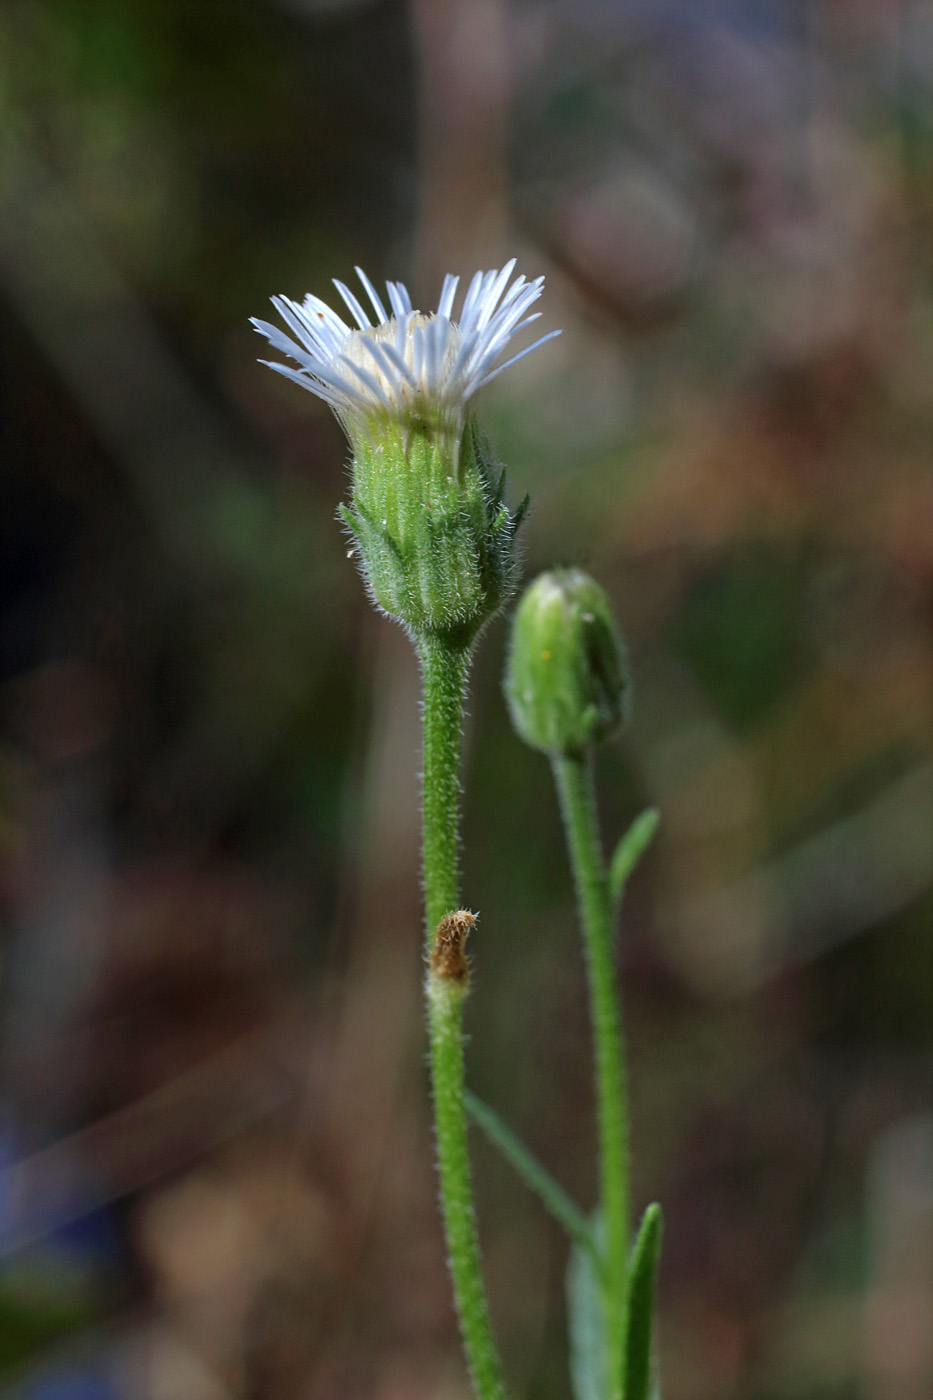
x: 574, y: 778
x: 444, y: 672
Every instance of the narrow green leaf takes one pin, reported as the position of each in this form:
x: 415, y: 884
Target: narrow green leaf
x: 349, y: 519
x: 520, y: 511
x: 586, y: 1324
x: 642, y: 1272
x: 534, y: 1175
x: 630, y: 850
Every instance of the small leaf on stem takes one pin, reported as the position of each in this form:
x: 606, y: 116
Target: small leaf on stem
x: 586, y: 1322
x: 630, y: 850
x: 536, y: 1177
x: 642, y: 1273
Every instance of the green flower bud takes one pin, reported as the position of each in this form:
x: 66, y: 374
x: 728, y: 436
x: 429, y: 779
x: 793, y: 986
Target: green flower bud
x: 567, y: 680
x: 433, y: 535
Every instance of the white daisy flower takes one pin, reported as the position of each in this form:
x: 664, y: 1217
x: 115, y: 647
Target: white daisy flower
x: 405, y: 365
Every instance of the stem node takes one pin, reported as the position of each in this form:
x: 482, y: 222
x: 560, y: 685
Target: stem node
x: 449, y: 961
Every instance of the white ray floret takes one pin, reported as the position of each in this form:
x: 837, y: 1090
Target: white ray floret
x: 406, y: 364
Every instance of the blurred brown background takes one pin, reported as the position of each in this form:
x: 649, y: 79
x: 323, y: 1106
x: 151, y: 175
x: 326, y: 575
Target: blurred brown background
x: 216, y: 1173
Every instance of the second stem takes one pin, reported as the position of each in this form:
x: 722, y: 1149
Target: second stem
x: 573, y: 775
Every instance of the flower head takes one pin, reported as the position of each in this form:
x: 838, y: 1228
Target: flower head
x: 431, y: 528
x: 405, y: 365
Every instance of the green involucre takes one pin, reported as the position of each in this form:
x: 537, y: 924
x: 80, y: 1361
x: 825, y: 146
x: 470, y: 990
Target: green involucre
x: 433, y: 535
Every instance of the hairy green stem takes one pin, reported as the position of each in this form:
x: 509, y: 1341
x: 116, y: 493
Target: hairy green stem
x: 574, y: 778
x: 444, y: 672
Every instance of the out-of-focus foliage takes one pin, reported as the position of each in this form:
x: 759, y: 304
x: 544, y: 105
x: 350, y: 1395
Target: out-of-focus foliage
x: 217, y: 1176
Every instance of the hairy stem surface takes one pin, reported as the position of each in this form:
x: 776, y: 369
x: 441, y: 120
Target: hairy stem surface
x: 444, y: 672
x: 574, y: 778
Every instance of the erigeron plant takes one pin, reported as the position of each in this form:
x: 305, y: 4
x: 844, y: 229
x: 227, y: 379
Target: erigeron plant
x: 434, y: 538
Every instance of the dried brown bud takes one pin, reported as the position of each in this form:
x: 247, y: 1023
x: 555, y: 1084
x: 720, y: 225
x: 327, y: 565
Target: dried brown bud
x: 448, y: 955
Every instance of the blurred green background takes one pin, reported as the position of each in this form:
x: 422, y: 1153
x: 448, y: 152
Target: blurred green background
x: 215, y: 1160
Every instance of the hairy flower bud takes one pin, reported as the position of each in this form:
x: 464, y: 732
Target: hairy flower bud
x: 566, y: 681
